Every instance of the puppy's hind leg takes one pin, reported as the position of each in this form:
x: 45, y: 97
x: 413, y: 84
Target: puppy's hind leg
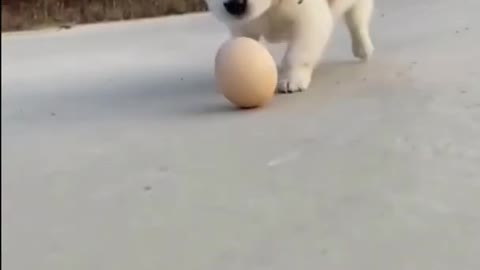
x: 358, y: 19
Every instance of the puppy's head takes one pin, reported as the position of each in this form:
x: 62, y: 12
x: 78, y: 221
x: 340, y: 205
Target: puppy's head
x: 232, y: 11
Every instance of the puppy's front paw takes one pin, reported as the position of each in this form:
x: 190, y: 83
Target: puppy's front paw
x: 362, y: 49
x: 294, y: 81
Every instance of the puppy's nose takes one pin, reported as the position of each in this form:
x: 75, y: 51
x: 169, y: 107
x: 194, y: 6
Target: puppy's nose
x: 236, y: 7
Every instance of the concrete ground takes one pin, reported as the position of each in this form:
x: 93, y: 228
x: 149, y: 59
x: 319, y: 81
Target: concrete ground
x: 117, y: 153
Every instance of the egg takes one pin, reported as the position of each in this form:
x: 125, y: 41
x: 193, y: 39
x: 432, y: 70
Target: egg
x: 245, y: 72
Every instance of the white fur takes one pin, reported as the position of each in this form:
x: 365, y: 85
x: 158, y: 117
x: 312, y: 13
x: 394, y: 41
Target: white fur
x: 306, y: 25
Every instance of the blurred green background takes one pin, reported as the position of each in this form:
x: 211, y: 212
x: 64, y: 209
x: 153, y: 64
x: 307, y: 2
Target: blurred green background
x: 31, y: 14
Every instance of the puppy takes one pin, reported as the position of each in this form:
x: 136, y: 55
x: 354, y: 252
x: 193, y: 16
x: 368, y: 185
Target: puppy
x: 306, y: 26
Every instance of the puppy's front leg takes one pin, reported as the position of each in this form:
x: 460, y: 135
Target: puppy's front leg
x: 310, y: 36
x: 358, y: 20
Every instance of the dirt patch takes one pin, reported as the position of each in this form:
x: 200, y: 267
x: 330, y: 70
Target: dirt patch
x: 29, y: 14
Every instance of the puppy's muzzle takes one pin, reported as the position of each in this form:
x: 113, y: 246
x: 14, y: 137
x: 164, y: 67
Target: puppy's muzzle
x: 236, y: 8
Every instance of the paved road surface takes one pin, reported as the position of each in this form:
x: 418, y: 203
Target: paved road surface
x: 118, y: 154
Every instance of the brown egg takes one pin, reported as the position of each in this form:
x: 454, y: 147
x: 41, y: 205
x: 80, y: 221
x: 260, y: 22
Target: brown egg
x: 245, y: 72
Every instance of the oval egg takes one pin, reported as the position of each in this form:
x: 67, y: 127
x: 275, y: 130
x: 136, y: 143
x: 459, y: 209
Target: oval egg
x: 245, y: 72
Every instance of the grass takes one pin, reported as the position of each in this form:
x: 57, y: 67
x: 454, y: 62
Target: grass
x: 29, y: 14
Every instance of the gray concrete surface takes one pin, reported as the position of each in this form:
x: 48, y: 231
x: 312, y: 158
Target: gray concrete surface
x: 118, y: 154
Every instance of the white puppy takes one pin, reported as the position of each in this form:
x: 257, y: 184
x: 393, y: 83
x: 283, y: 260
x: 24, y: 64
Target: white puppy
x: 306, y: 25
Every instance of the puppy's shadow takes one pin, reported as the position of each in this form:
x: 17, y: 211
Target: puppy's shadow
x: 329, y: 68
x: 187, y: 93
x: 191, y: 94
x: 195, y: 92
x: 327, y: 73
